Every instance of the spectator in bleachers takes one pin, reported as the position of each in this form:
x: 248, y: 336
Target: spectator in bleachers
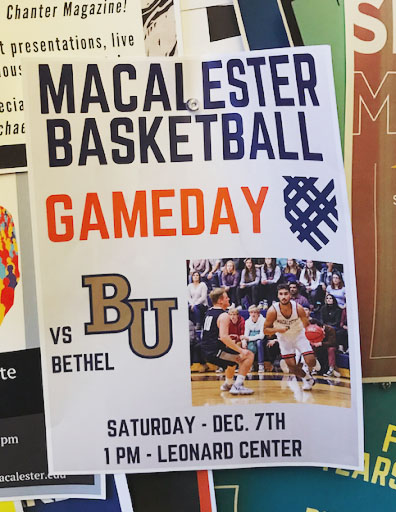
x: 236, y: 328
x: 325, y: 350
x: 330, y: 313
x: 201, y: 266
x: 248, y: 286
x: 325, y: 279
x: 309, y: 278
x: 291, y: 269
x: 342, y: 334
x: 196, y: 357
x: 197, y: 299
x: 297, y: 297
x: 270, y: 275
x: 229, y: 280
x: 258, y: 262
x: 337, y: 289
x: 213, y: 275
x: 238, y: 262
x: 253, y: 338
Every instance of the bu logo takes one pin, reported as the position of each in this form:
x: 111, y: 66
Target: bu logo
x: 309, y: 209
x: 129, y: 314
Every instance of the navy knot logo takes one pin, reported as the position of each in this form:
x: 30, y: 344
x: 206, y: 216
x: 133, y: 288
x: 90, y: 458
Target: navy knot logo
x: 309, y: 209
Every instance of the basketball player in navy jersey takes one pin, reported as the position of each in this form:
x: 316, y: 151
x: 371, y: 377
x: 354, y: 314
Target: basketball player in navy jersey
x: 219, y: 348
x: 288, y: 320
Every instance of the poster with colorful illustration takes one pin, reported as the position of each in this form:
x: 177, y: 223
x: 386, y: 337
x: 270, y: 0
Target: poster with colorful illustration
x: 370, y: 163
x: 235, y: 160
x: 330, y: 490
x: 12, y: 303
x: 108, y: 27
x: 23, y: 465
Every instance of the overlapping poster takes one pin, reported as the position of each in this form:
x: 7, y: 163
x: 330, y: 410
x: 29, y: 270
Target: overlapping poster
x: 55, y: 28
x: 297, y: 23
x: 18, y: 302
x: 331, y: 490
x: 209, y: 26
x: 187, y: 490
x: 263, y: 27
x: 117, y: 499
x: 23, y: 466
x: 9, y: 506
x: 140, y: 166
x: 371, y: 160
x: 160, y: 24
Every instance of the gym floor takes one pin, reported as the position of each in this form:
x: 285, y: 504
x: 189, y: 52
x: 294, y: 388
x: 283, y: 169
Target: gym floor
x: 271, y: 387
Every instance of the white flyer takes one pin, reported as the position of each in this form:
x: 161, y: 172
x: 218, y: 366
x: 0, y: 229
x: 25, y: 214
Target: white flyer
x: 137, y: 168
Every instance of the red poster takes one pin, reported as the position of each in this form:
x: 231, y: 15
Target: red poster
x: 372, y: 48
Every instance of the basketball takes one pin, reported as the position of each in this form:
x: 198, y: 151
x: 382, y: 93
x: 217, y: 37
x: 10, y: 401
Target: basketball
x: 314, y: 333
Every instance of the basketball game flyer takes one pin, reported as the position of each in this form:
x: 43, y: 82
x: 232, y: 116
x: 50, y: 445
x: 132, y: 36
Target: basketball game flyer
x: 137, y: 168
x: 371, y: 160
x: 52, y: 28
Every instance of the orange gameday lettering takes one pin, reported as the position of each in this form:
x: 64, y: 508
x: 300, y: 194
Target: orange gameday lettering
x: 130, y: 215
x: 185, y: 195
x: 66, y: 220
x: 223, y: 198
x: 255, y: 206
x: 120, y: 211
x: 92, y: 204
x: 159, y: 212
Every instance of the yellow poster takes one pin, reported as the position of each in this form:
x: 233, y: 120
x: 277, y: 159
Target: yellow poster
x: 9, y: 506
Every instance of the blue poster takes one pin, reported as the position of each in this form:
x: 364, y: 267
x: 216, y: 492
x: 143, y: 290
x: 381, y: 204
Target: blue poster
x: 263, y: 27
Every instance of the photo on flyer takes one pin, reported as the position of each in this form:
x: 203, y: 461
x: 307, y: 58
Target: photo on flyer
x: 274, y: 327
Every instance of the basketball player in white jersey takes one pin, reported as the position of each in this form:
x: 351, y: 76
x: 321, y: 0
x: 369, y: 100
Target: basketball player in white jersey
x: 288, y: 320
